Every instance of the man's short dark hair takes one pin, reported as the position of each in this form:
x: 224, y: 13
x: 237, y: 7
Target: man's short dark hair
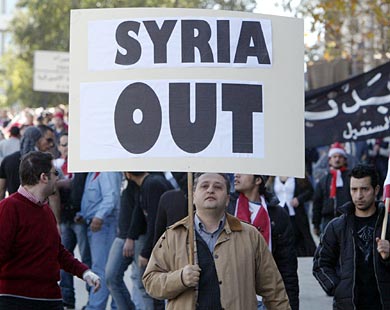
x: 14, y: 131
x: 44, y: 128
x: 224, y: 175
x: 137, y: 173
x: 364, y: 170
x: 32, y: 165
x: 262, y: 188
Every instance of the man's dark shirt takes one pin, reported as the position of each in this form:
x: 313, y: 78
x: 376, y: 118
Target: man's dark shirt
x: 9, y: 170
x: 128, y: 198
x: 71, y: 198
x: 366, y: 290
x: 153, y: 186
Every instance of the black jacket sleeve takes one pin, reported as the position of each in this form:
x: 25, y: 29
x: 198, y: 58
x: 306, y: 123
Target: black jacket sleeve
x: 77, y: 190
x: 318, y: 200
x: 172, y: 207
x: 138, y: 222
x: 161, y: 218
x: 325, y: 260
x: 151, y: 192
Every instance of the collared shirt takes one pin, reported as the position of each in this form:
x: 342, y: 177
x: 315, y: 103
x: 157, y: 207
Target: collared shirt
x: 25, y: 193
x: 101, y: 196
x: 209, y: 238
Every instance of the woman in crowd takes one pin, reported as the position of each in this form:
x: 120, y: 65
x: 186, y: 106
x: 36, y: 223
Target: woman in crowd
x: 292, y: 194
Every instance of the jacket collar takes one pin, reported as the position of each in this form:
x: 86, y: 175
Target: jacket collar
x: 349, y: 207
x: 231, y: 224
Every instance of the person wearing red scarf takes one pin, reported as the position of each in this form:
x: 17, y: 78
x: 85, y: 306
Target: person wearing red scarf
x: 251, y: 203
x: 332, y: 191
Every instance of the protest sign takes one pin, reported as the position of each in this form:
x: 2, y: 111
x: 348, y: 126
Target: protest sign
x: 51, y: 71
x: 186, y: 90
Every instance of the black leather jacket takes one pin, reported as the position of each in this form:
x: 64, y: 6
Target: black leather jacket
x: 334, y: 260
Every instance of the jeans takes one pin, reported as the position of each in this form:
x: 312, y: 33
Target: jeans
x: 116, y: 266
x: 72, y: 234
x: 100, y: 243
x: 141, y: 299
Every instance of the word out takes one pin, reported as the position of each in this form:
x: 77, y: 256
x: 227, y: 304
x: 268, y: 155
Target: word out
x: 137, y: 137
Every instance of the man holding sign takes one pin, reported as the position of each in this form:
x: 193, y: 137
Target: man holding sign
x: 233, y: 260
x: 352, y: 260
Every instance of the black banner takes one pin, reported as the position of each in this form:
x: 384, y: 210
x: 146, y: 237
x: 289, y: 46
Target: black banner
x: 350, y: 110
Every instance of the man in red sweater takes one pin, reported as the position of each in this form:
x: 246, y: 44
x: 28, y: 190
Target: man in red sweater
x: 31, y: 253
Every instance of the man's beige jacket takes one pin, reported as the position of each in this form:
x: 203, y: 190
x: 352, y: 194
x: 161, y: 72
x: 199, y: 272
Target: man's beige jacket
x: 245, y: 267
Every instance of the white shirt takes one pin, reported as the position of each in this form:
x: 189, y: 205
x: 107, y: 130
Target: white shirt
x: 285, y: 193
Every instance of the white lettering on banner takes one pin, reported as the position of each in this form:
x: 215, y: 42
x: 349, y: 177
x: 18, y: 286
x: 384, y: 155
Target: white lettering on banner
x: 179, y: 42
x: 172, y: 119
x: 366, y: 129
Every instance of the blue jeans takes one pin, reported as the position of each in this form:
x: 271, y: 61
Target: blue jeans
x: 100, y: 243
x: 72, y: 234
x: 116, y: 266
x: 141, y: 299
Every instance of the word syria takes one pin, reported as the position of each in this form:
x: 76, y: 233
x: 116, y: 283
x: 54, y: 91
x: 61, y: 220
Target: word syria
x: 194, y: 35
x: 137, y: 137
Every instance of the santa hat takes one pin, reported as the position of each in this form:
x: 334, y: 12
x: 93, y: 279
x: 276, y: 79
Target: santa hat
x: 59, y: 115
x: 337, y: 148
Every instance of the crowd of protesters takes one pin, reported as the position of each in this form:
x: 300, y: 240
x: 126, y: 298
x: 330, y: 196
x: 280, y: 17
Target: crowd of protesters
x: 118, y: 220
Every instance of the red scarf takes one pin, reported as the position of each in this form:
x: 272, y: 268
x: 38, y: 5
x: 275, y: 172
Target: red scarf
x: 64, y: 169
x: 261, y: 221
x: 333, y: 182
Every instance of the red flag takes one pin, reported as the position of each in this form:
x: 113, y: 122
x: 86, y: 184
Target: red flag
x: 386, y: 198
x: 386, y: 185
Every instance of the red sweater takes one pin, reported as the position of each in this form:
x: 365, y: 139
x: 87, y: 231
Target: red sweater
x: 31, y: 253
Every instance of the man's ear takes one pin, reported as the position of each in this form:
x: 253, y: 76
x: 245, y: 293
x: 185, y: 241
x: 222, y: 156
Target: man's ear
x: 44, y: 177
x: 258, y: 180
x: 377, y: 189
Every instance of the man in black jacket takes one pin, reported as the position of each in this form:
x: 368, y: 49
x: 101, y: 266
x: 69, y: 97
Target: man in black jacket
x: 332, y: 191
x: 150, y: 186
x: 251, y: 203
x: 351, y: 262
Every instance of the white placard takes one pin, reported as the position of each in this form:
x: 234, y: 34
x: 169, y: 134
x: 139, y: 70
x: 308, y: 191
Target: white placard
x: 97, y: 133
x: 51, y: 71
x: 186, y: 90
